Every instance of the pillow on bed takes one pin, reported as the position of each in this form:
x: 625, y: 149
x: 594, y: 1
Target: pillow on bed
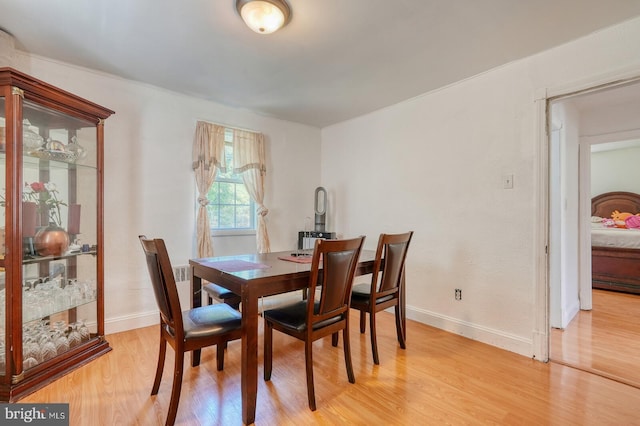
x: 596, y: 219
x: 632, y: 222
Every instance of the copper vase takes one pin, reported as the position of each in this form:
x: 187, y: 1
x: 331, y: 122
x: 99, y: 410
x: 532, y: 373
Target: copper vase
x: 51, y: 241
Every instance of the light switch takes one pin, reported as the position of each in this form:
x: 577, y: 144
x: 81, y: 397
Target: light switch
x: 507, y: 181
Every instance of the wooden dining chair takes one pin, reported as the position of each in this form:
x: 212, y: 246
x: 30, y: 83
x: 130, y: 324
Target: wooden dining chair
x: 311, y: 319
x: 384, y: 290
x: 186, y: 331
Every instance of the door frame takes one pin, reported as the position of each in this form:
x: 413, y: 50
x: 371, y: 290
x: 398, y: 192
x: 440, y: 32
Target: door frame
x: 543, y: 99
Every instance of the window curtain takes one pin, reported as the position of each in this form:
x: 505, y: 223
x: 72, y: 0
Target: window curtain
x: 208, y: 157
x: 249, y: 162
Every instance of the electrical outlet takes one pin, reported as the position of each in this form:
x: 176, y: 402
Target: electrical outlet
x: 458, y: 294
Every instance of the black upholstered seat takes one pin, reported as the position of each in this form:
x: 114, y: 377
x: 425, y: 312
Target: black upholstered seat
x: 209, y: 321
x: 221, y: 294
x: 361, y: 293
x: 294, y: 316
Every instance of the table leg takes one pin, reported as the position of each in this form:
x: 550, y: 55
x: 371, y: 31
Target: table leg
x: 196, y: 301
x: 249, y: 368
x: 196, y: 290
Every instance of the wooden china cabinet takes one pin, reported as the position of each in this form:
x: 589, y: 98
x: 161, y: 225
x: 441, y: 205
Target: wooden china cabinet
x: 51, y: 233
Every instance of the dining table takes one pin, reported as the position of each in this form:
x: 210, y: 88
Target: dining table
x: 253, y: 276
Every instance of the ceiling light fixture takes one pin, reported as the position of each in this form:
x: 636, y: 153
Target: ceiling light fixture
x: 264, y: 16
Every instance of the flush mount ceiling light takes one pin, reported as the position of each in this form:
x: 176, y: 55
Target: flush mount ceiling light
x: 264, y: 16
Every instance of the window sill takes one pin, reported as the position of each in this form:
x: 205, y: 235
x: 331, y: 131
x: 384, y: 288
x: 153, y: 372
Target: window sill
x: 232, y: 232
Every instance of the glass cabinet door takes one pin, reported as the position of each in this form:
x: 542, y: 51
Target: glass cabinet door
x: 59, y: 233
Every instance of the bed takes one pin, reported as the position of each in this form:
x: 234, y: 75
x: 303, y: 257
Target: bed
x: 615, y: 252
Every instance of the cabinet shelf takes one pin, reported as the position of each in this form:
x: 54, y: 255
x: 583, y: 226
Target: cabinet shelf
x: 38, y: 259
x: 48, y: 311
x: 33, y: 162
x: 27, y: 260
x: 36, y: 163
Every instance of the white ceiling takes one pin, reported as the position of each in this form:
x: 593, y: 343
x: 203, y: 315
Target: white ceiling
x: 337, y: 59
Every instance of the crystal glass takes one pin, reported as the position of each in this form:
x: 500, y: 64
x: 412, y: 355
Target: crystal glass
x: 85, y: 334
x: 60, y: 338
x: 78, y: 152
x: 48, y: 349
x: 30, y: 137
x: 31, y: 350
x: 75, y: 338
x: 29, y: 363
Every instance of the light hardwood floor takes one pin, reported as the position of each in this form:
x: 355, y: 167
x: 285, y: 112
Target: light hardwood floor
x: 441, y: 378
x: 605, y: 340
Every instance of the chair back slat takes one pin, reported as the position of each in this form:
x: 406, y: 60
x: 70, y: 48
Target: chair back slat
x: 339, y: 260
x: 163, y: 281
x: 394, y: 248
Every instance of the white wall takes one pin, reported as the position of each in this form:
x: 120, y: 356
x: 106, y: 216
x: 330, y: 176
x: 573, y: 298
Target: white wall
x: 435, y: 163
x: 616, y: 170
x: 613, y: 131
x: 149, y: 184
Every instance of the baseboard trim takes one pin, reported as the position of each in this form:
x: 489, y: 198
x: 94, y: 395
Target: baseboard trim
x: 482, y: 334
x: 486, y: 335
x: 131, y: 322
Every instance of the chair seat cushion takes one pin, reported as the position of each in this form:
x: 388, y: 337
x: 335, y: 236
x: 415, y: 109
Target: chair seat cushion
x: 294, y: 316
x: 360, y: 293
x: 210, y: 320
x: 217, y: 292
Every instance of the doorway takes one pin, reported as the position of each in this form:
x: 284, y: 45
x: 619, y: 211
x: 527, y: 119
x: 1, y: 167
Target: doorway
x: 582, y: 321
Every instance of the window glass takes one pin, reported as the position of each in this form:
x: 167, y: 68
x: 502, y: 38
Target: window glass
x: 230, y: 205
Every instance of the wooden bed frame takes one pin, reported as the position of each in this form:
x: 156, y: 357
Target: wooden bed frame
x: 615, y: 268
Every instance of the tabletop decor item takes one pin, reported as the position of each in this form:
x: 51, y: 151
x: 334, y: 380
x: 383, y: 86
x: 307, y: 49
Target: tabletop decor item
x: 39, y: 197
x: 51, y: 240
x: 30, y: 137
x: 58, y: 151
x: 77, y: 151
x: 46, y: 196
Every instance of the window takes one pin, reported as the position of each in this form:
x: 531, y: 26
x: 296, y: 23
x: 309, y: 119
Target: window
x: 230, y: 205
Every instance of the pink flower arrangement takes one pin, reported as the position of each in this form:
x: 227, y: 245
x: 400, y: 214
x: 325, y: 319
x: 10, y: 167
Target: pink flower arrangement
x: 45, y: 195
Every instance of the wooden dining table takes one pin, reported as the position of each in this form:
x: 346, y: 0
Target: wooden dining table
x: 253, y: 276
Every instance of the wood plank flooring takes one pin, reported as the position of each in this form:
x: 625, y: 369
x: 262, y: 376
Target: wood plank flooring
x: 441, y: 378
x: 605, y: 340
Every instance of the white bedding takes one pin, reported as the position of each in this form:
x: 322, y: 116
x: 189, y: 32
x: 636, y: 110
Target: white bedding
x: 615, y: 237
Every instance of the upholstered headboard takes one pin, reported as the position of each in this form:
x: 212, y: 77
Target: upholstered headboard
x: 625, y: 202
